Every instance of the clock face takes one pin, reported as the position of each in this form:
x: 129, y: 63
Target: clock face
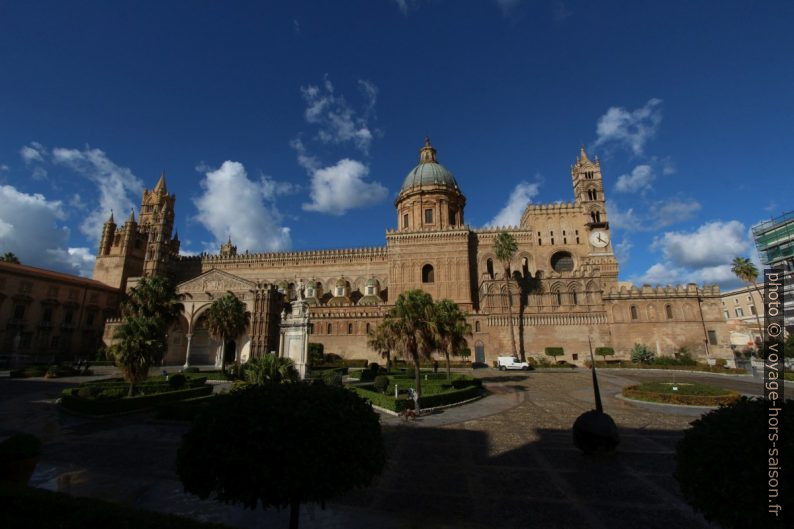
x: 599, y: 238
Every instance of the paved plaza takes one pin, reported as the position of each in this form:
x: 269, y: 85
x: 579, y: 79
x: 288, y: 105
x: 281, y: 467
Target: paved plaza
x: 504, y: 461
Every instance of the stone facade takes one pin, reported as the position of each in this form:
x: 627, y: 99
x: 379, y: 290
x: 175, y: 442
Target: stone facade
x: 48, y: 316
x: 563, y: 281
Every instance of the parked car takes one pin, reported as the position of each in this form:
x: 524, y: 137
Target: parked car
x: 510, y: 362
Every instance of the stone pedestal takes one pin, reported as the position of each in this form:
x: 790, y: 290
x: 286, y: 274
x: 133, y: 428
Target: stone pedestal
x: 295, y: 335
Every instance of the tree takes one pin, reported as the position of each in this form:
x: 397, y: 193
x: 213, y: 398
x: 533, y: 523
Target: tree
x: 718, y: 475
x: 140, y: 339
x: 746, y: 271
x: 641, y: 354
x: 383, y: 339
x: 226, y: 319
x: 270, y: 369
x: 280, y: 445
x: 9, y: 257
x: 554, y: 352
x: 451, y: 329
x: 603, y: 352
x: 505, y: 248
x: 408, y: 325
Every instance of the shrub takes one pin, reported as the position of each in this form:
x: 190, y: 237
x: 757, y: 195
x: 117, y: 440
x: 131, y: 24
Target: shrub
x: 112, y: 393
x: 642, y: 354
x: 331, y: 377
x: 719, y: 477
x: 381, y: 383
x: 19, y: 446
x: 460, y: 383
x: 315, y: 351
x: 603, y: 352
x: 177, y: 381
x: 26, y: 507
x: 289, y: 419
x: 332, y: 357
x: 554, y: 351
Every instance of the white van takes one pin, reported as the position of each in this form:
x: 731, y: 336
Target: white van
x: 510, y: 362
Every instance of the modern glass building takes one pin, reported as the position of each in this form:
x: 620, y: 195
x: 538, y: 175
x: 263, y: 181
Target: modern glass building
x: 774, y: 239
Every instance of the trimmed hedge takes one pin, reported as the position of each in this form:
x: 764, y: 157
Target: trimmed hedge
x: 430, y: 401
x: 675, y: 367
x: 554, y: 351
x: 184, y: 410
x: 111, y: 406
x: 26, y: 507
x: 634, y: 392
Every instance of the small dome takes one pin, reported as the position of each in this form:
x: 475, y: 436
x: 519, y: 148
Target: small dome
x: 372, y: 282
x: 429, y: 172
x: 341, y: 282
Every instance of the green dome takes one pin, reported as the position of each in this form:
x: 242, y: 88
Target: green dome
x: 429, y: 172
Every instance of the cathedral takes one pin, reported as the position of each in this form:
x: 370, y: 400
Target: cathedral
x: 563, y: 282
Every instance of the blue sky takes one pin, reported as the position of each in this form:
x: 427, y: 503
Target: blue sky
x: 316, y: 110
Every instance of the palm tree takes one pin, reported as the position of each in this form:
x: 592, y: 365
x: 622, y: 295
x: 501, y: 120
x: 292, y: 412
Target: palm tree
x: 226, y: 319
x: 140, y: 344
x: 9, y: 257
x: 746, y: 271
x: 140, y: 339
x: 451, y: 329
x: 270, y: 369
x: 505, y: 248
x: 383, y: 340
x: 408, y: 324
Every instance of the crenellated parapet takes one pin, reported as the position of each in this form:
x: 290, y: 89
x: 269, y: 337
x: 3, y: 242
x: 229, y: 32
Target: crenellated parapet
x: 344, y: 255
x: 661, y: 291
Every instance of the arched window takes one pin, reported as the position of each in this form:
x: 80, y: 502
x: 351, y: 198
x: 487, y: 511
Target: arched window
x: 427, y: 274
x: 489, y: 267
x: 328, y: 329
x: 367, y: 328
x: 595, y: 216
x: 557, y: 297
x: 634, y: 314
x: 525, y: 266
x: 349, y: 328
x: 477, y: 326
x: 405, y: 220
x: 668, y: 309
x: 574, y: 298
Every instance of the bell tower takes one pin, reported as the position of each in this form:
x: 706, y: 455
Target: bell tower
x: 588, y: 189
x: 157, y: 221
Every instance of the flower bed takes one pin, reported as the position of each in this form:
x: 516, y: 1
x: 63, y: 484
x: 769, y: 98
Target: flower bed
x: 688, y: 394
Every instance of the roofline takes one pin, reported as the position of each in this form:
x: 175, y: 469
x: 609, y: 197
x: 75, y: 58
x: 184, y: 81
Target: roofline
x: 42, y: 273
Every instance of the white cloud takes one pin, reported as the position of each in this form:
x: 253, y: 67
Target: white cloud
x: 640, y: 179
x: 714, y: 243
x: 337, y: 122
x: 116, y: 185
x: 510, y: 214
x: 629, y: 128
x: 30, y: 227
x: 34, y: 155
x: 507, y: 5
x: 402, y: 5
x: 340, y: 187
x: 658, y: 214
x: 232, y: 204
x: 623, y: 250
x: 700, y: 256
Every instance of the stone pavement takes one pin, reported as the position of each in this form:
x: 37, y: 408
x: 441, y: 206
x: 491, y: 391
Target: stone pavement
x: 504, y: 461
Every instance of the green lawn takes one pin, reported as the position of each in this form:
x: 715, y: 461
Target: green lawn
x: 683, y: 393
x: 436, y: 391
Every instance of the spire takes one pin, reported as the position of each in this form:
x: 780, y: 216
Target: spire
x: 110, y: 219
x: 582, y: 155
x: 160, y: 187
x: 176, y: 235
x: 427, y: 154
x: 132, y: 215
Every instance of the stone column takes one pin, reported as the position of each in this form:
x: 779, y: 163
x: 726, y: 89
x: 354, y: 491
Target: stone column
x: 295, y: 335
x: 187, y: 350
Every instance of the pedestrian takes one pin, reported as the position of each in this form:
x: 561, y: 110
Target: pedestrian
x: 435, y: 367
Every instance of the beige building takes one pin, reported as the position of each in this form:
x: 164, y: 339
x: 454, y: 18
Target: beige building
x: 563, y: 279
x: 743, y: 308
x: 49, y: 316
